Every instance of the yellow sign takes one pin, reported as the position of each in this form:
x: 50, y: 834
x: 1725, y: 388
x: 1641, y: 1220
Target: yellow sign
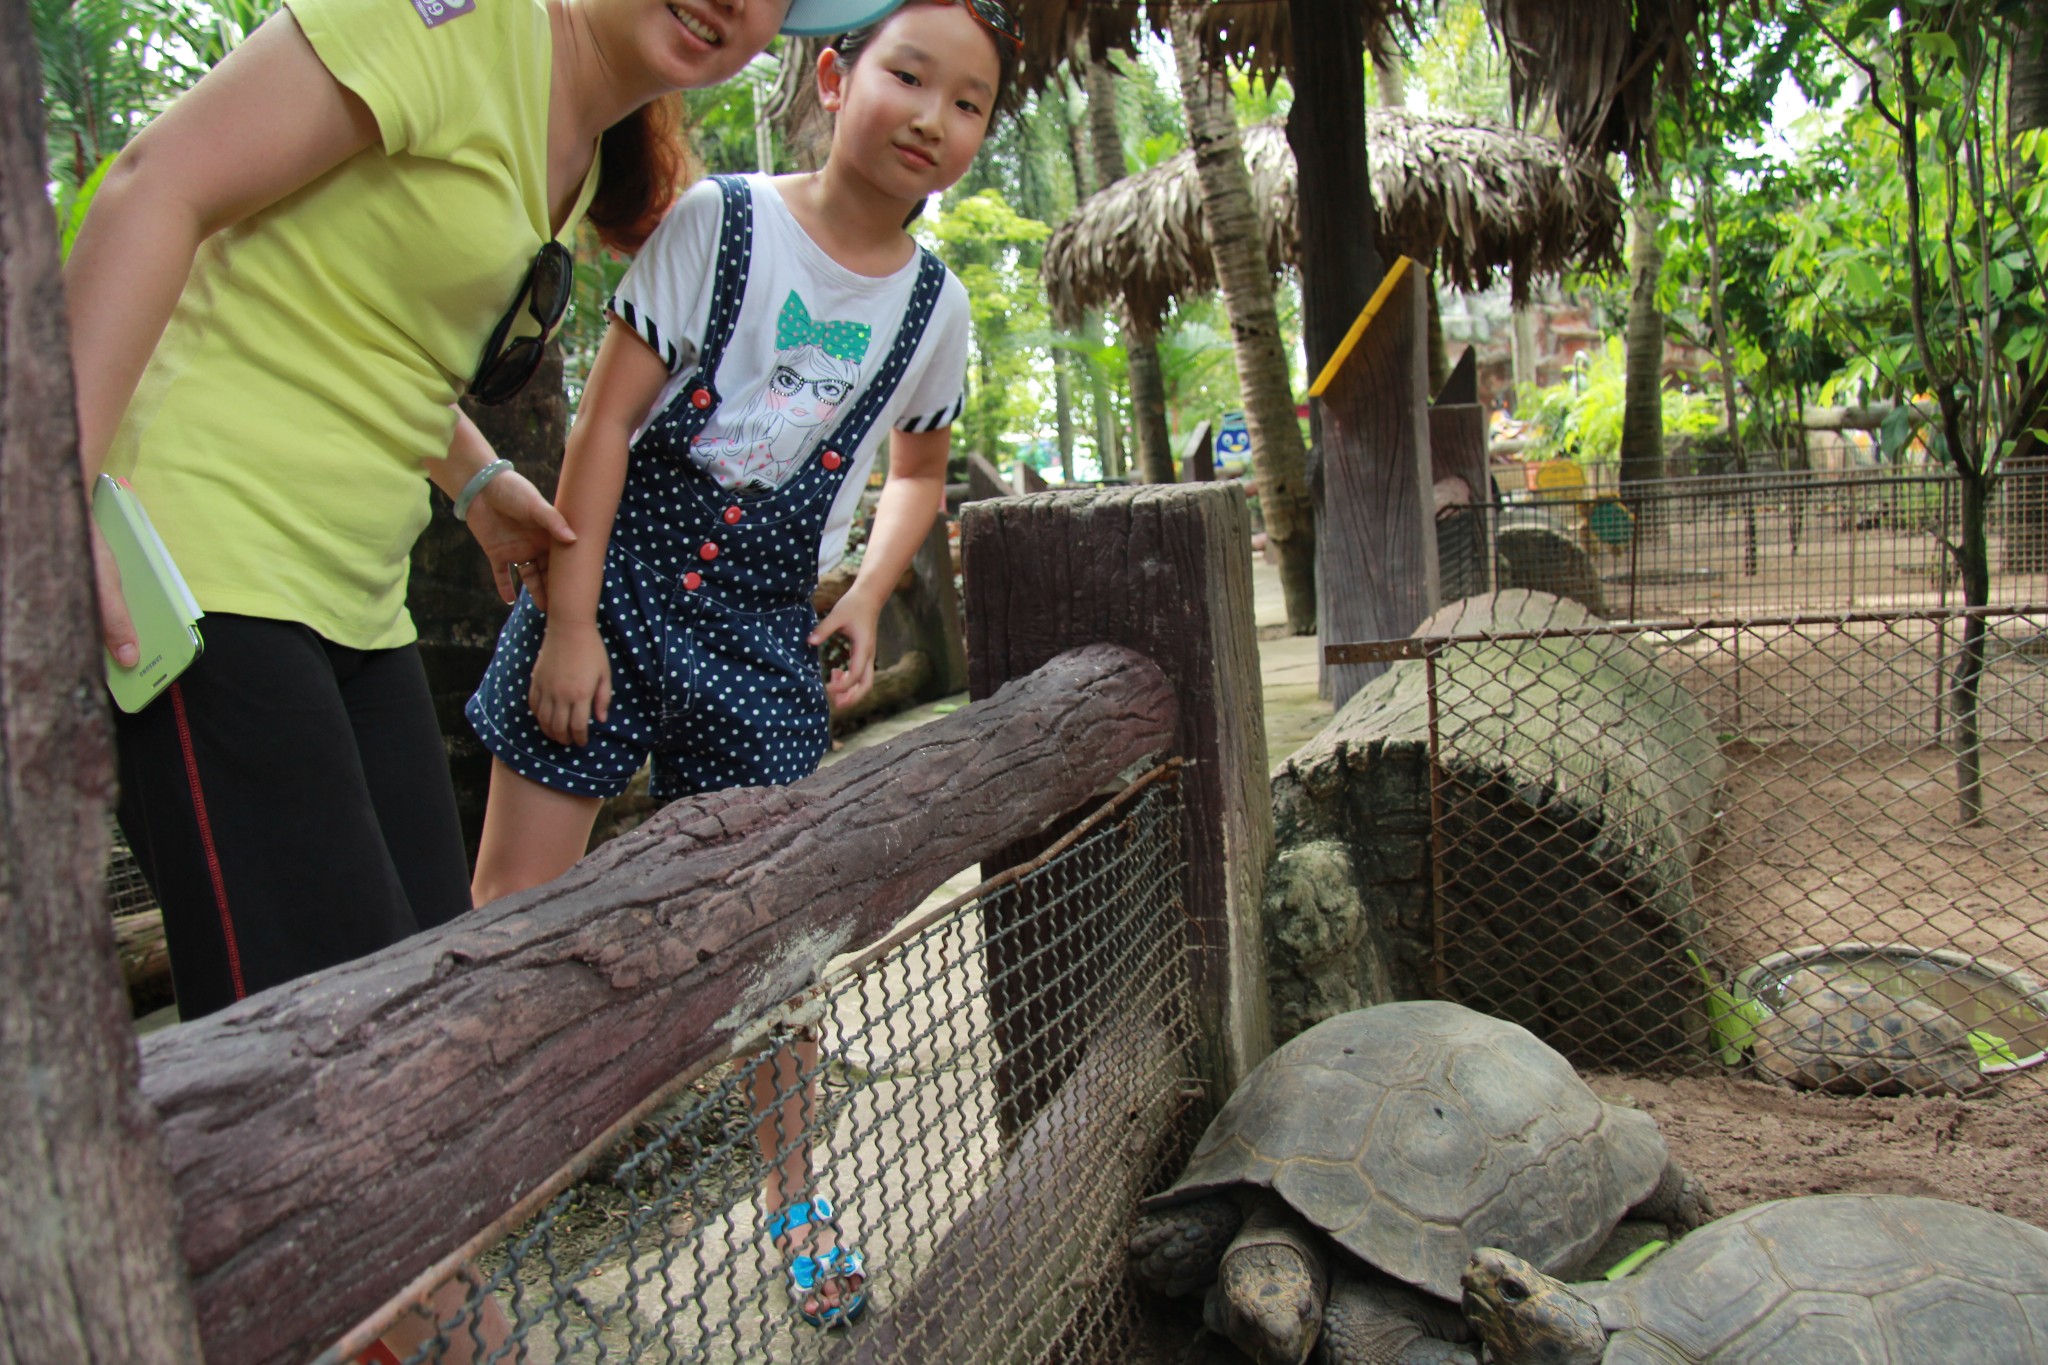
x: 1557, y: 476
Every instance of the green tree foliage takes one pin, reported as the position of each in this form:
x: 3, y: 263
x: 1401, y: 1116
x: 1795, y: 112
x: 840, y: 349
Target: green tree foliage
x: 1580, y: 418
x: 993, y: 249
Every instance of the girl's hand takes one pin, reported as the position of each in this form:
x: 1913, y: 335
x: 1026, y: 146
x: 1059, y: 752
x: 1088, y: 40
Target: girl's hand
x: 572, y: 681
x: 517, y: 527
x: 854, y: 617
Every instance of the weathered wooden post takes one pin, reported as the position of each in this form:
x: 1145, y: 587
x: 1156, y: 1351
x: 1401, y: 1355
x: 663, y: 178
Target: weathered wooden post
x: 1164, y: 570
x: 89, y: 1265
x: 1457, y: 450
x: 1377, y: 573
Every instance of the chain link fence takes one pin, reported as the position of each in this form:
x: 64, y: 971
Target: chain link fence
x: 1756, y: 544
x: 1810, y: 849
x: 983, y: 1097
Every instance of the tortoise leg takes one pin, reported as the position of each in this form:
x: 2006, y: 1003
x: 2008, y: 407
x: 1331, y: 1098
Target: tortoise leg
x: 1375, y: 1321
x: 1175, y: 1251
x: 1679, y: 1201
x: 1270, y: 1288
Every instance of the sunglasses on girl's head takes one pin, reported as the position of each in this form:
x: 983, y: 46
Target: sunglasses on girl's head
x: 544, y: 295
x: 995, y: 16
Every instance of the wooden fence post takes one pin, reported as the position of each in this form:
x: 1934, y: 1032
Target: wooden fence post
x: 1457, y: 450
x: 89, y: 1266
x: 1376, y: 573
x: 1165, y: 570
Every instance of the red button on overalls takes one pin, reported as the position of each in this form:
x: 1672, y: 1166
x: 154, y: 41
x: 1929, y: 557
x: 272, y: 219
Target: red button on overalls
x: 701, y: 399
x: 733, y: 515
x: 693, y: 580
x: 707, y: 550
x: 830, y: 459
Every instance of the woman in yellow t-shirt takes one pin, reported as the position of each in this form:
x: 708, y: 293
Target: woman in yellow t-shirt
x: 285, y: 284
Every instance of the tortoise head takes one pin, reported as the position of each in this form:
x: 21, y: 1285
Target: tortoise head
x: 1527, y: 1318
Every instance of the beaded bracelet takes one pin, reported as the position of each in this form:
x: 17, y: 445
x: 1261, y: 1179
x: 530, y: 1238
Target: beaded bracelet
x: 476, y: 485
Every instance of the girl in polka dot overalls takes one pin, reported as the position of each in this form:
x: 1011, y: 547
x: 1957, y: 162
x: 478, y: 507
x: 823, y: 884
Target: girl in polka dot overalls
x: 762, y: 341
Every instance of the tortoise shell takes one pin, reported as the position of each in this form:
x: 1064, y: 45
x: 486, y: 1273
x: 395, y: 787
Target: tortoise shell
x: 1414, y: 1133
x: 1841, y: 1035
x: 1875, y: 1277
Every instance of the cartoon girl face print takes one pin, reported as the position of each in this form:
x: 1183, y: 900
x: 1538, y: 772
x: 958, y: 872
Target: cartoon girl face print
x: 815, y: 375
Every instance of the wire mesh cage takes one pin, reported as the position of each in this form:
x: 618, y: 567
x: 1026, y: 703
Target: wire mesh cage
x: 982, y: 1098
x: 1763, y: 544
x: 1811, y: 849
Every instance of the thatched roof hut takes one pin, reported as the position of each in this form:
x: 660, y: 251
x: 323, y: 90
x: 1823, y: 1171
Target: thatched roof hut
x: 1482, y: 200
x: 1593, y: 64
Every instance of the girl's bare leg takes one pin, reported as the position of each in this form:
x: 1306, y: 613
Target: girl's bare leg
x: 532, y: 834
x: 782, y: 1093
x: 421, y: 1325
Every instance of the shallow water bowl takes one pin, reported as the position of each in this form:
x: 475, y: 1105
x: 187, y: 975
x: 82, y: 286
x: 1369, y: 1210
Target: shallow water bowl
x: 2003, y: 1009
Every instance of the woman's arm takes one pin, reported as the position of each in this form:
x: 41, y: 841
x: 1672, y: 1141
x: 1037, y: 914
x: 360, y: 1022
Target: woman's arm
x: 266, y: 121
x: 572, y: 678
x: 915, y: 492
x: 515, y: 526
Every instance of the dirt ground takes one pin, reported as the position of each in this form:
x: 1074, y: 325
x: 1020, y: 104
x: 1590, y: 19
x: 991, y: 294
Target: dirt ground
x: 1750, y: 1142
x: 1838, y: 820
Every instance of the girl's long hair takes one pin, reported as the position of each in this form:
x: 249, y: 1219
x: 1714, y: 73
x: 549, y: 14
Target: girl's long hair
x: 644, y: 162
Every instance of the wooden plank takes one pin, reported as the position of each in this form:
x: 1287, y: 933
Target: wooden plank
x: 1462, y: 384
x: 934, y: 603
x: 89, y: 1269
x: 1164, y: 569
x: 1377, y: 571
x: 1457, y: 450
x: 984, y: 480
x: 329, y: 1137
x: 1198, y: 454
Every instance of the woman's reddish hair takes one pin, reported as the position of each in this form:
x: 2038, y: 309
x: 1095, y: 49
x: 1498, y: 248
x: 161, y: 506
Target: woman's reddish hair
x: 643, y: 164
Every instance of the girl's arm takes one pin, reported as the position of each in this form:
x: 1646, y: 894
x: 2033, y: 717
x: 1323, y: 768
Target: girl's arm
x: 915, y: 492
x: 572, y: 677
x: 266, y: 121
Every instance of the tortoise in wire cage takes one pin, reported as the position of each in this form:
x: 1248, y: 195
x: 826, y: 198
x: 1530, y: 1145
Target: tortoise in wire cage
x: 1875, y: 1278
x: 1338, y: 1195
x: 1836, y: 1033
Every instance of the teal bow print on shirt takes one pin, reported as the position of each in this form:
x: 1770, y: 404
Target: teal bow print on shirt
x: 840, y: 340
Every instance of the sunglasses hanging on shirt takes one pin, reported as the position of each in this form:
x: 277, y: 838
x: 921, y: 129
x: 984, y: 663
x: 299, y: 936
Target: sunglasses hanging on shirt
x: 544, y: 296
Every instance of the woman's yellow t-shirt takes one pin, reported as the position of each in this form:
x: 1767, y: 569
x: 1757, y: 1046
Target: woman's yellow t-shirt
x: 278, y: 432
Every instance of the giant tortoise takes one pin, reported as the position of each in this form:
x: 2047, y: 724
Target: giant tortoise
x: 1836, y: 1033
x: 1865, y: 1277
x: 1410, y: 1135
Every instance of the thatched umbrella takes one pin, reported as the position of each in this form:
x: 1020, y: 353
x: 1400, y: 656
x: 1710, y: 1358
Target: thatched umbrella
x: 1482, y: 200
x: 1595, y: 64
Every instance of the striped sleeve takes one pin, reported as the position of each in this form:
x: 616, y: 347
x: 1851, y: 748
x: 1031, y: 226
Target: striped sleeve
x: 935, y: 392
x: 665, y: 294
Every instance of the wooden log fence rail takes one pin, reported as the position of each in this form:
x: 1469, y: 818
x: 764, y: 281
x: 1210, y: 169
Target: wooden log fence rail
x: 407, y: 1099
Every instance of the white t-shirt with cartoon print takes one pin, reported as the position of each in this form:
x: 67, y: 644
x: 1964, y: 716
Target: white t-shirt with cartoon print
x: 810, y: 334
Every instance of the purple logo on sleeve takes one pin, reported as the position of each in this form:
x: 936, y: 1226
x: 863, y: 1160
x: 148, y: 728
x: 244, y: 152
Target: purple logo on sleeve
x: 434, y: 13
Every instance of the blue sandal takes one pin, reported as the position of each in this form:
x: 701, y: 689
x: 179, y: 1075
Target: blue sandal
x: 807, y: 1273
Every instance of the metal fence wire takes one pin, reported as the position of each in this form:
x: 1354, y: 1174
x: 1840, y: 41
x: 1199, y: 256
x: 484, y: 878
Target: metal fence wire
x: 1801, y: 848
x: 983, y: 1097
x: 1757, y: 544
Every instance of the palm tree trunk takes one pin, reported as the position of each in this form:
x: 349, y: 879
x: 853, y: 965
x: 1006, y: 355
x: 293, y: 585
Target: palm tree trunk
x: 2026, y: 104
x: 89, y: 1267
x: 1099, y: 404
x: 1148, y: 378
x: 1278, y: 456
x: 1642, y: 417
x: 1724, y: 351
